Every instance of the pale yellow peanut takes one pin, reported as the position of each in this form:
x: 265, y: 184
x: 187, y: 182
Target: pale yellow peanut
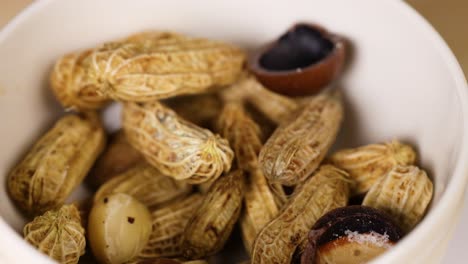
x: 58, y: 234
x: 169, y: 224
x: 146, y: 184
x: 211, y: 225
x: 175, y: 146
x: 298, y: 145
x: 153, y: 65
x: 72, y: 86
x: 56, y: 164
x: 327, y: 189
x: 244, y: 136
x: 369, y: 163
x: 404, y: 193
x: 275, y: 106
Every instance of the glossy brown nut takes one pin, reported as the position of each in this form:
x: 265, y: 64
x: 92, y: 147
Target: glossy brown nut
x: 301, y: 62
x: 351, y: 234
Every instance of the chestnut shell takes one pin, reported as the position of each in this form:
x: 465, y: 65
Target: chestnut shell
x: 356, y: 218
x: 301, y: 62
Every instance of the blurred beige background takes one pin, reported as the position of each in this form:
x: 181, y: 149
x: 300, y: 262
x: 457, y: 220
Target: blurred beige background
x: 449, y: 17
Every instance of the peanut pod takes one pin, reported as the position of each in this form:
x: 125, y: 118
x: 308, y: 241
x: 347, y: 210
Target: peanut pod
x: 72, y: 86
x: 175, y: 146
x: 244, y: 137
x: 369, y: 163
x: 58, y: 234
x: 146, y: 184
x: 404, y: 193
x: 156, y: 65
x: 210, y: 227
x: 274, y: 106
x: 56, y: 164
x: 298, y: 145
x: 327, y: 189
x: 169, y: 224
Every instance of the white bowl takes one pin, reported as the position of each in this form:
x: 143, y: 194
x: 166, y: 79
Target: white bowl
x: 403, y: 82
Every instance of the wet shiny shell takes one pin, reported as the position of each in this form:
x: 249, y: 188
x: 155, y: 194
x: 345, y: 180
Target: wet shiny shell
x: 58, y: 234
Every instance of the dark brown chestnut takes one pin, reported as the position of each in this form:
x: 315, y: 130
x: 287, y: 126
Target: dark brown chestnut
x: 352, y: 234
x: 301, y: 62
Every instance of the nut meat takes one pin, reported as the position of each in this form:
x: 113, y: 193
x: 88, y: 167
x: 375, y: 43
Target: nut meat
x: 56, y: 164
x: 146, y: 184
x: 367, y: 164
x: 175, y: 146
x: 404, y: 193
x: 327, y: 189
x: 58, y: 234
x: 212, y: 224
x: 169, y: 224
x: 297, y: 146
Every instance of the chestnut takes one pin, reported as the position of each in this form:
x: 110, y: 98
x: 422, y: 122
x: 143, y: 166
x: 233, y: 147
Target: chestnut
x: 301, y: 62
x: 351, y: 234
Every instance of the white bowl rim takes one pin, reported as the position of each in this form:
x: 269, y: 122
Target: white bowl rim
x: 456, y: 186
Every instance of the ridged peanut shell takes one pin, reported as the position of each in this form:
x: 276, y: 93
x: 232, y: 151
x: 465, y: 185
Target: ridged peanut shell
x: 242, y: 132
x: 274, y: 106
x: 146, y: 184
x: 58, y: 234
x: 211, y: 225
x: 327, y: 189
x: 404, y: 193
x: 169, y: 224
x: 244, y: 136
x: 152, y: 65
x: 72, y: 86
x: 369, y: 163
x: 175, y: 146
x: 56, y: 164
x: 298, y: 145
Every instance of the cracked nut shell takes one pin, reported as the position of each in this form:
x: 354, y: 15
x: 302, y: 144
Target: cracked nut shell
x: 301, y: 62
x: 351, y: 234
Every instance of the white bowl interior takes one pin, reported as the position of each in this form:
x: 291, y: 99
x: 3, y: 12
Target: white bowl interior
x: 397, y: 86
